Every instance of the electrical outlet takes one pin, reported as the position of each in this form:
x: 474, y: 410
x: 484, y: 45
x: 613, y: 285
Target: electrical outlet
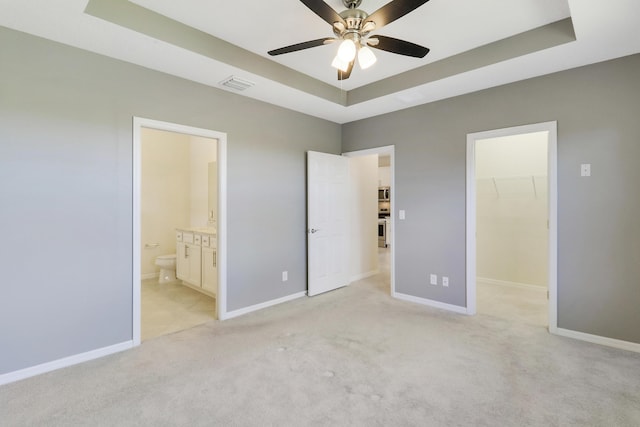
x: 445, y: 281
x: 433, y: 279
x: 285, y: 276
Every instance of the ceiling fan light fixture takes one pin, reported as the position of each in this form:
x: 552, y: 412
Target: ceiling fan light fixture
x: 340, y: 64
x: 347, y: 51
x: 352, y: 28
x: 366, y: 57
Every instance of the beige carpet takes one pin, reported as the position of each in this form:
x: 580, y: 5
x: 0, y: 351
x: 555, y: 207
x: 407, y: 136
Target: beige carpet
x: 521, y: 304
x: 352, y: 357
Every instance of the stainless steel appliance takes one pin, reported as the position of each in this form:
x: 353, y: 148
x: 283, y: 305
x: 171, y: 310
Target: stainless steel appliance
x: 384, y: 211
x: 383, y: 194
x: 382, y: 232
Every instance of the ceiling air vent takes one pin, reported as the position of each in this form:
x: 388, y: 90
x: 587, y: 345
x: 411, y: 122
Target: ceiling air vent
x: 236, y: 83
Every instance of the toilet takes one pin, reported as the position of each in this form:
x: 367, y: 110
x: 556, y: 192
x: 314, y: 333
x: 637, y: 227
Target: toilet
x: 167, y: 264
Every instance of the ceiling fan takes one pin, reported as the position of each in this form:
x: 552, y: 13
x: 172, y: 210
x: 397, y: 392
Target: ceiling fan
x: 353, y: 26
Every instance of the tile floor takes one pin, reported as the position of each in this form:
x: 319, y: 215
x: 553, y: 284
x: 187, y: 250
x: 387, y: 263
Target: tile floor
x: 172, y: 307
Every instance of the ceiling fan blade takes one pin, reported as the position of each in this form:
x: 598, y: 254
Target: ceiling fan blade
x: 324, y: 11
x: 344, y: 75
x: 400, y: 47
x: 300, y: 46
x: 392, y: 11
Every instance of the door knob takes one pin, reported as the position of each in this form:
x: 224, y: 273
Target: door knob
x: 313, y: 230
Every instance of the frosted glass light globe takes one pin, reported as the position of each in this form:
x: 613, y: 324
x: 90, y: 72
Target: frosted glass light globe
x: 347, y: 50
x: 366, y: 58
x: 340, y: 64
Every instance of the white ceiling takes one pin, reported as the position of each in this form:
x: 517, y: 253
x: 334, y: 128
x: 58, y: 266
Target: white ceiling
x: 604, y: 30
x: 442, y: 25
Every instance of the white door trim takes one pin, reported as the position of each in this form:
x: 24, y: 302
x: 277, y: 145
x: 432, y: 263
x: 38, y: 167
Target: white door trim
x: 390, y: 151
x: 552, y: 165
x: 221, y: 298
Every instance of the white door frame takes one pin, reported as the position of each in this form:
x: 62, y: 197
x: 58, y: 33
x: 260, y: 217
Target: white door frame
x: 221, y: 297
x: 552, y: 163
x: 384, y: 151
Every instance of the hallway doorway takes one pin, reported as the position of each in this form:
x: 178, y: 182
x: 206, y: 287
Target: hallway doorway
x: 385, y: 272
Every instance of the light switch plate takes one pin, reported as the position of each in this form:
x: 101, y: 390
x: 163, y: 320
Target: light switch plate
x: 285, y: 276
x: 585, y: 169
x: 445, y: 281
x: 433, y: 279
x: 401, y: 214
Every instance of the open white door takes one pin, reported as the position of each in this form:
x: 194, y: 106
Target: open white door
x: 327, y: 222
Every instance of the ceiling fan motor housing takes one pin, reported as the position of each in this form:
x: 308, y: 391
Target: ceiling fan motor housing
x: 354, y: 30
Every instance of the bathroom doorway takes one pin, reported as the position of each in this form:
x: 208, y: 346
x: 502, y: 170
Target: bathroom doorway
x: 179, y: 212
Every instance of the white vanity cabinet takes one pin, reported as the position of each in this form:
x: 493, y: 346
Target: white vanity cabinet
x: 197, y: 260
x: 189, y: 258
x: 210, y: 265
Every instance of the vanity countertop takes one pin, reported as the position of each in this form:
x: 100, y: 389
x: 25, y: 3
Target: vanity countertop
x: 201, y: 230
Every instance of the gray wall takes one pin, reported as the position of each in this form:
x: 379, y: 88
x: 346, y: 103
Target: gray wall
x: 66, y: 187
x: 66, y: 169
x: 597, y: 109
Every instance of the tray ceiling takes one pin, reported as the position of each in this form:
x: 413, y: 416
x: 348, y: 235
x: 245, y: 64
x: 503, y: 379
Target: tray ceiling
x: 474, y: 45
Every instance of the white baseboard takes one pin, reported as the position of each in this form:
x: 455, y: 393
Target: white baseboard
x: 63, y: 363
x: 508, y: 283
x: 149, y: 276
x: 597, y: 339
x: 364, y: 275
x: 246, y: 310
x: 431, y: 303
